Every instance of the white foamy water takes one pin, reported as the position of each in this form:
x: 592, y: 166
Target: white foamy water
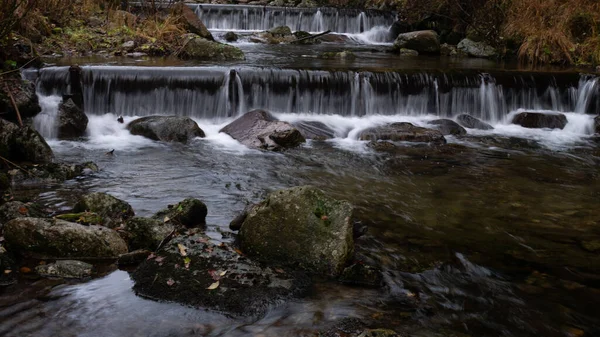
x: 379, y: 35
x: 45, y: 121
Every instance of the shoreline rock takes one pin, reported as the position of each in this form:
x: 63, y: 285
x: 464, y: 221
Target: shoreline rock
x: 471, y: 122
x: 112, y: 211
x: 404, y: 132
x: 166, y: 128
x: 422, y: 41
x: 538, y: 120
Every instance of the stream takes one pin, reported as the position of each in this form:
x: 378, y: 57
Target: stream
x: 496, y: 233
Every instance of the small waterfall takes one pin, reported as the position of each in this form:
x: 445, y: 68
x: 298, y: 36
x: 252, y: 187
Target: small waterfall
x: 253, y: 18
x: 222, y: 92
x: 45, y: 121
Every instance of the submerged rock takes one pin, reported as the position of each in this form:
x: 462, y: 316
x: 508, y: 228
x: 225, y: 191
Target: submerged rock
x: 230, y: 37
x: 193, y: 271
x: 70, y: 269
x: 23, y: 144
x: 314, y: 130
x: 538, y: 120
x: 145, y: 233
x: 198, y: 48
x: 476, y: 49
x: 72, y: 121
x: 471, y: 122
x: 300, y: 226
x: 404, y: 132
x: 52, y: 238
x: 113, y: 212
x: 260, y: 130
x: 423, y: 41
x: 166, y: 128
x: 191, y: 21
x: 448, y: 127
x: 188, y: 213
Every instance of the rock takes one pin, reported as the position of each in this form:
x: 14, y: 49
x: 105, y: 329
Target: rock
x: 133, y: 258
x: 23, y: 93
x: 397, y: 28
x: 191, y: 21
x: 52, y: 238
x: 114, y: 212
x: 70, y: 269
x: 450, y: 50
x: 129, y: 45
x: 260, y: 130
x: 23, y: 144
x: 44, y: 174
x: 189, y: 213
x: 476, y: 49
x: 17, y: 209
x: 538, y: 120
x: 471, y: 122
x: 8, y: 269
x: 236, y: 223
x: 302, y: 34
x: 335, y: 38
x: 268, y: 38
x: 198, y: 48
x: 314, y: 130
x: 214, y: 277
x: 166, y: 128
x: 72, y: 121
x: 300, y: 226
x: 379, y: 333
x: 404, y: 132
x: 348, y: 326
x: 408, y: 52
x: 84, y: 218
x: 342, y: 55
x: 423, y: 41
x: 597, y: 124
x: 308, y: 4
x: 362, y: 275
x: 145, y: 233
x: 230, y: 37
x: 280, y: 31
x: 448, y: 127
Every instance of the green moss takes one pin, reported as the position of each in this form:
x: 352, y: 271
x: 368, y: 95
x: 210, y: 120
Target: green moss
x: 85, y: 218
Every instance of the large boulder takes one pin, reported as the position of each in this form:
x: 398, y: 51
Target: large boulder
x: 53, y: 238
x: 404, y: 132
x: 300, y: 226
x: 23, y: 93
x: 166, y: 128
x: 198, y: 48
x: 72, y: 121
x: 471, y: 122
x: 69, y: 269
x: 423, y: 41
x: 538, y: 120
x: 193, y: 271
x: 448, y: 127
x: 476, y: 49
x: 280, y: 31
x: 314, y: 130
x: 145, y: 233
x: 113, y: 212
x: 191, y: 21
x: 260, y: 130
x: 187, y: 213
x: 23, y: 144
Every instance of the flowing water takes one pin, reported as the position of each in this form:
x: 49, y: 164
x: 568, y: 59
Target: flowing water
x: 494, y: 234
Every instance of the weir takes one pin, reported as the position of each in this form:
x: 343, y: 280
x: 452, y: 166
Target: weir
x: 252, y: 18
x: 221, y: 92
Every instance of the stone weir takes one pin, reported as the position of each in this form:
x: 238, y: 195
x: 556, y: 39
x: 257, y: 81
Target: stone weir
x: 221, y: 92
x: 247, y: 17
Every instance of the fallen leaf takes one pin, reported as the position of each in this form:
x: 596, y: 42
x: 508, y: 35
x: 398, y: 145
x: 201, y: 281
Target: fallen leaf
x: 167, y: 219
x: 182, y: 249
x: 159, y: 259
x: 23, y: 210
x: 213, y: 286
x: 238, y: 251
x: 25, y: 270
x: 187, y: 262
x: 8, y: 271
x: 223, y: 273
x: 213, y: 274
x: 279, y: 270
x: 170, y: 282
x: 324, y: 217
x: 151, y: 256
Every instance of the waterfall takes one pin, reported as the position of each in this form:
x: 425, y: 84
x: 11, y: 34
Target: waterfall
x: 222, y: 92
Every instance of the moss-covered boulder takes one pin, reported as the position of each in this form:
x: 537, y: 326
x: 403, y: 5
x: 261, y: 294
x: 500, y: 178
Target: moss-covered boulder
x: 259, y: 129
x: 403, y: 132
x: 198, y: 48
x: 280, y: 31
x: 23, y: 144
x: 145, y: 233
x: 193, y: 271
x: 188, y: 213
x: 53, y: 238
x: 423, y: 41
x: 300, y: 226
x: 476, y: 49
x: 166, y: 128
x: 114, y: 212
x: 69, y: 269
x: 191, y: 21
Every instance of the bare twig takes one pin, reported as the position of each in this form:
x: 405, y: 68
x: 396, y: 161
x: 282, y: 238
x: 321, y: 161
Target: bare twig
x: 12, y: 100
x: 165, y: 240
x: 17, y: 166
x: 20, y: 68
x: 312, y: 36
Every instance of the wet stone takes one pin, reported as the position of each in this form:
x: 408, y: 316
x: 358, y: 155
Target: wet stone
x: 70, y: 269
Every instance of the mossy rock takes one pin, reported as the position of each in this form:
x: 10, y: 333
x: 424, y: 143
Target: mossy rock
x: 84, y: 218
x: 113, y: 212
x: 188, y: 213
x: 198, y: 48
x: 303, y: 227
x: 146, y: 233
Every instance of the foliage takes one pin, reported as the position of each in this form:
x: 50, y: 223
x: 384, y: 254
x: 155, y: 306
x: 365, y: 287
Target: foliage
x: 11, y: 14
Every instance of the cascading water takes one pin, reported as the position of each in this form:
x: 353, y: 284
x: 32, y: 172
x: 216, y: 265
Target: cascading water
x: 253, y: 18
